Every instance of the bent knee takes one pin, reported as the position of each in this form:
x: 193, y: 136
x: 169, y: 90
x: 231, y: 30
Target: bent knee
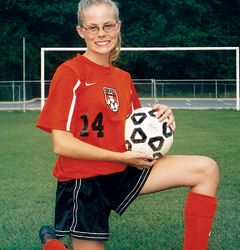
x: 211, y: 169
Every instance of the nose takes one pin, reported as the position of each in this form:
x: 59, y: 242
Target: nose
x: 101, y: 32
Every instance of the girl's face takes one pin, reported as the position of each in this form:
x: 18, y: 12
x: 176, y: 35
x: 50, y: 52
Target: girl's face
x: 100, y: 30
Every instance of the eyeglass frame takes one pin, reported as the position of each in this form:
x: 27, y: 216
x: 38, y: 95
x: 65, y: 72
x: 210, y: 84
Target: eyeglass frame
x: 98, y: 28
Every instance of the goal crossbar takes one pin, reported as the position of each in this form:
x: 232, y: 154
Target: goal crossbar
x: 236, y: 49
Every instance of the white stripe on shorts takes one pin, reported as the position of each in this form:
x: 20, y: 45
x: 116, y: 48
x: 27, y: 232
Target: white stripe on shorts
x: 75, y: 203
x: 134, y: 191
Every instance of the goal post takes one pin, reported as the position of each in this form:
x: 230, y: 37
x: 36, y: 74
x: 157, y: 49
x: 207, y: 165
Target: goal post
x: 236, y: 49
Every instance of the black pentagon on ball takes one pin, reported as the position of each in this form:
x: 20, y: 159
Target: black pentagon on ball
x: 138, y: 132
x: 138, y: 118
x: 152, y: 113
x: 165, y: 128
x: 154, y: 140
x: 128, y: 145
x: 158, y: 154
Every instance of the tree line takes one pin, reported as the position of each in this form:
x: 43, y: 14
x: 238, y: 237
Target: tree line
x: 151, y: 23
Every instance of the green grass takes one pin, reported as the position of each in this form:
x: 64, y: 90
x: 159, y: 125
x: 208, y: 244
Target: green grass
x: 153, y: 222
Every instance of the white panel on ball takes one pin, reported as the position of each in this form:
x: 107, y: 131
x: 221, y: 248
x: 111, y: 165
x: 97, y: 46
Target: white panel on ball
x: 145, y: 133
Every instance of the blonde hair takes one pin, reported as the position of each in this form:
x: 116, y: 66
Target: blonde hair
x: 84, y: 4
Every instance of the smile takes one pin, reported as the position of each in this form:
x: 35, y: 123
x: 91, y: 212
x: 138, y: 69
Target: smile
x: 102, y: 43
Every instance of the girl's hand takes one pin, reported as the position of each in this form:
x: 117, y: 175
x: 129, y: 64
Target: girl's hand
x: 164, y: 112
x: 138, y: 160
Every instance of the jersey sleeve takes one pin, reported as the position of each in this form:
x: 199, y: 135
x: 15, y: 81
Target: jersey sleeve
x: 135, y: 100
x: 57, y: 109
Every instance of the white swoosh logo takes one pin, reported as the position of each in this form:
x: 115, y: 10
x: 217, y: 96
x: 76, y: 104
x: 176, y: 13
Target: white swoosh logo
x: 90, y: 83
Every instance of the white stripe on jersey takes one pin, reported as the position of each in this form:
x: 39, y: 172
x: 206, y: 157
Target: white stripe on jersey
x: 70, y: 114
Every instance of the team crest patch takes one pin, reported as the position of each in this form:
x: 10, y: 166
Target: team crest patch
x: 111, y: 98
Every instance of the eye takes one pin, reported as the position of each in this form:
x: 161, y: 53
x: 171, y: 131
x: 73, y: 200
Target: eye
x: 93, y: 28
x: 108, y: 26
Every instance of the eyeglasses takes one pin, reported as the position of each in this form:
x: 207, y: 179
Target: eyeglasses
x: 94, y: 29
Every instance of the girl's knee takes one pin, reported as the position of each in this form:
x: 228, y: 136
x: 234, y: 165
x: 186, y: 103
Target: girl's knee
x: 211, y: 169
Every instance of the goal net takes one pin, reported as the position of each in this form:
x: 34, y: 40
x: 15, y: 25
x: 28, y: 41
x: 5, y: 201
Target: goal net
x: 153, y: 86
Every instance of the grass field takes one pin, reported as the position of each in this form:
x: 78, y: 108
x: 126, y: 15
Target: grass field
x: 153, y: 222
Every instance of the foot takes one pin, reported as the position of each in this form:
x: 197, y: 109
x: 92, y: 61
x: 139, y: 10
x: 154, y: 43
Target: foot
x: 46, y: 233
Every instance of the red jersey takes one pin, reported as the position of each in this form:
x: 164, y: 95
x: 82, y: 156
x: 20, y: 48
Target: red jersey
x: 92, y: 102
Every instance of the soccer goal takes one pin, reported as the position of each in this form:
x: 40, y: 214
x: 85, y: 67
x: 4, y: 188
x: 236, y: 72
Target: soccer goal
x: 154, y: 49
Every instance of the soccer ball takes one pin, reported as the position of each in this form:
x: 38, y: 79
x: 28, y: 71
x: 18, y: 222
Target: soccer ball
x: 144, y: 133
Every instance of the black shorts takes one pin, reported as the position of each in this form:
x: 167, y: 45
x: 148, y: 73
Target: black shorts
x: 83, y: 206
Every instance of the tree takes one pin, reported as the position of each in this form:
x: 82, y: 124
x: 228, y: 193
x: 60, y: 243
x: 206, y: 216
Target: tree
x: 47, y: 23
x: 144, y: 23
x: 180, y: 23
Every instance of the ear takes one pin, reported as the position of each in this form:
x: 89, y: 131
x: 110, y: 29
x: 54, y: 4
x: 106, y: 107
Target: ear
x: 80, y: 31
x: 119, y: 26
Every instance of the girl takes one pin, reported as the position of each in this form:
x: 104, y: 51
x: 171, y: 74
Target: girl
x: 95, y: 172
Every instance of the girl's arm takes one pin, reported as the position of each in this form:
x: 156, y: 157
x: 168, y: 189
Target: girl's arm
x: 65, y: 144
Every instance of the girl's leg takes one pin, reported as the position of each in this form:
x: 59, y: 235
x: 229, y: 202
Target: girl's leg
x: 202, y: 176
x: 86, y: 244
x: 200, y: 173
x: 49, y: 240
x: 54, y: 245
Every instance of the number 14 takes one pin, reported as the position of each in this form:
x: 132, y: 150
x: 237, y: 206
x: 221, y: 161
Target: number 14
x: 97, y: 125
